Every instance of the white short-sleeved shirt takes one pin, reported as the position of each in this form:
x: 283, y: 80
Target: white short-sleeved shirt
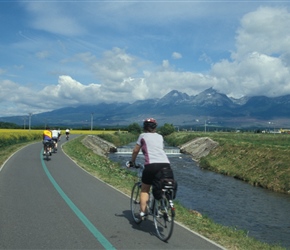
x: 54, y: 133
x: 152, y: 146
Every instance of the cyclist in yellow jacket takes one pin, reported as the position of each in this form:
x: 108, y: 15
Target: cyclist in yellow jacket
x: 47, y: 136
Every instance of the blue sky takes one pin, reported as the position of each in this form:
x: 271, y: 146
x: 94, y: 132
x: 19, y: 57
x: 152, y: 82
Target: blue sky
x: 56, y: 54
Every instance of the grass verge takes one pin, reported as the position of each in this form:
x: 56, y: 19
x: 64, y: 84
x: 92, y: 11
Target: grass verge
x: 123, y: 180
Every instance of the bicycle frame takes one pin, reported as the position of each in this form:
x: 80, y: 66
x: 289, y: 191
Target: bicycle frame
x: 162, y: 210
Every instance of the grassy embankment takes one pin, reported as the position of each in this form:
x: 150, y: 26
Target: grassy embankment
x: 259, y: 159
x: 122, y: 179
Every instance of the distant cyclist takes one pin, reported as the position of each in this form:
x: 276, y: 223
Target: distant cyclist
x: 55, y: 136
x: 59, y: 134
x: 152, y: 146
x: 67, y: 133
x: 47, y: 137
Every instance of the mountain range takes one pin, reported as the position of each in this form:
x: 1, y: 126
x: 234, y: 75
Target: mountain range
x: 209, y: 108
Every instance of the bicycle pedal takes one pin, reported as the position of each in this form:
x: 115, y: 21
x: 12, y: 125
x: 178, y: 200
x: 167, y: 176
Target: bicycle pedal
x: 143, y: 217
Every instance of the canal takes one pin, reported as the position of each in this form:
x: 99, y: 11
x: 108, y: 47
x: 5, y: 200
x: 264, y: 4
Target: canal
x: 263, y: 214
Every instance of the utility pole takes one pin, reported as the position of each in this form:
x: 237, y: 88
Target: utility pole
x: 92, y: 120
x: 24, y: 122
x: 30, y: 114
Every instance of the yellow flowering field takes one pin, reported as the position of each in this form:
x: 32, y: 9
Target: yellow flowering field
x: 90, y: 132
x: 14, y: 136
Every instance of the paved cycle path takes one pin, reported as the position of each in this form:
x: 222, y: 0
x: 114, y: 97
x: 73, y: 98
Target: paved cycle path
x: 56, y: 205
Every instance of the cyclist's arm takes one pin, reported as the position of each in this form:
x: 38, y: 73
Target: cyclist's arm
x: 135, y: 153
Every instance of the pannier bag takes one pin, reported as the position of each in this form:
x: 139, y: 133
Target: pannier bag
x: 164, y: 179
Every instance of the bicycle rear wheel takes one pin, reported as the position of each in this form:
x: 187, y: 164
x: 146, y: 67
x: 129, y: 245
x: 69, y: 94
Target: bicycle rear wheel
x: 47, y: 154
x: 135, y: 203
x: 163, y: 216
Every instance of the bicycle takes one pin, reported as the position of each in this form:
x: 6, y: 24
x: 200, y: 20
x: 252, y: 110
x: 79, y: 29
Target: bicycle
x: 47, y: 145
x: 53, y: 146
x: 162, y: 210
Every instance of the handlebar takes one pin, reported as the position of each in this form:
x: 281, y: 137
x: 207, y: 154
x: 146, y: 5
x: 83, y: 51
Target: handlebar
x: 130, y: 165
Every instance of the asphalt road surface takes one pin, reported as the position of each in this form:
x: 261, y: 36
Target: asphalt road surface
x: 56, y: 205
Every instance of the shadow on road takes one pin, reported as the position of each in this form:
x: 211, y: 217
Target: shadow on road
x: 146, y: 226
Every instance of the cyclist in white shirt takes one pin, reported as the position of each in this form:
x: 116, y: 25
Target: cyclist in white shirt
x: 55, y: 136
x: 67, y: 133
x: 59, y: 134
x: 152, y: 146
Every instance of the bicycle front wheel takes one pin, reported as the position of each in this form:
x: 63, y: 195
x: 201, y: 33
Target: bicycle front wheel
x: 135, y: 203
x: 163, y: 216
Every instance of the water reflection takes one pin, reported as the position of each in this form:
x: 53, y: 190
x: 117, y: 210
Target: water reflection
x: 230, y: 202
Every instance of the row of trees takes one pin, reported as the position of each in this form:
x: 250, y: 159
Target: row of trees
x: 9, y: 125
x: 166, y: 129
x: 134, y: 128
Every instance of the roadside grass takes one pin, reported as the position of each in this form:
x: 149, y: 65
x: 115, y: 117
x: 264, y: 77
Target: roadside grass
x: 101, y: 167
x: 123, y: 179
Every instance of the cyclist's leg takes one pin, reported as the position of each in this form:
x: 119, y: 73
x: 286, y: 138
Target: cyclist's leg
x: 55, y: 143
x: 147, y: 178
x: 144, y: 197
x: 44, y: 147
x: 50, y: 146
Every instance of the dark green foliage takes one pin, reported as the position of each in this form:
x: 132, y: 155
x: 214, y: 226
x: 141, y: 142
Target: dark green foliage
x: 134, y: 128
x: 166, y: 129
x: 8, y: 125
x: 120, y: 138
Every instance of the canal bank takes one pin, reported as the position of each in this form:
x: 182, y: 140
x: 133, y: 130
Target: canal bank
x: 261, y: 213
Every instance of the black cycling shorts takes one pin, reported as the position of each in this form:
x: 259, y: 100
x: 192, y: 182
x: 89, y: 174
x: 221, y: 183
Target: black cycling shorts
x: 151, y: 170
